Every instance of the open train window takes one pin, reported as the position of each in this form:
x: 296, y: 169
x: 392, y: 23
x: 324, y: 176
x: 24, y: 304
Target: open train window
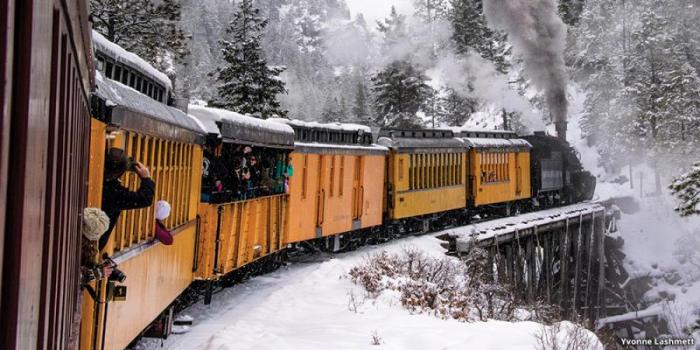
x: 108, y: 69
x: 132, y: 80
x: 117, y: 73
x: 125, y: 76
x: 100, y: 63
x: 138, y: 83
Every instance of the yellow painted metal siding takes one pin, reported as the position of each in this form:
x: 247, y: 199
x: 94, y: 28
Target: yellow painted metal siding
x: 371, y: 193
x: 248, y: 231
x: 499, y: 177
x: 176, y: 169
x: 156, y: 274
x: 303, y: 197
x: 427, y: 183
x: 155, y: 277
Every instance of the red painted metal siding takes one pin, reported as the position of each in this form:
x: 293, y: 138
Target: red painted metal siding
x: 47, y: 152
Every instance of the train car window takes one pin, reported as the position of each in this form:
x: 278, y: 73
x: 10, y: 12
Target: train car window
x: 411, y: 168
x: 132, y: 80
x: 401, y: 163
x: 117, y: 73
x: 418, y: 172
x: 304, y: 176
x: 138, y: 83
x: 431, y: 171
x: 100, y: 63
x: 108, y: 69
x: 125, y: 76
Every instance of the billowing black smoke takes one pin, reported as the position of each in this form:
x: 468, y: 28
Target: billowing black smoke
x: 538, y: 34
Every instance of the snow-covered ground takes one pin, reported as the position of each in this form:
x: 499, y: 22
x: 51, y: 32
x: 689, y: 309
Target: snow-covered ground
x: 310, y: 306
x: 653, y: 236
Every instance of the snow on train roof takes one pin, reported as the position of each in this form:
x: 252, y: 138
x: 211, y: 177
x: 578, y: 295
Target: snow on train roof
x: 330, y: 126
x: 482, y: 142
x: 241, y: 127
x: 119, y: 54
x: 119, y: 95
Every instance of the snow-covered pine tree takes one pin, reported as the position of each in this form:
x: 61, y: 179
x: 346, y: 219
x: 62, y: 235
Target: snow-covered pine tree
x: 393, y: 28
x: 248, y: 84
x: 570, y: 11
x: 431, y: 10
x: 400, y: 92
x: 687, y: 189
x: 360, y: 112
x: 457, y: 108
x: 147, y: 28
x: 471, y: 34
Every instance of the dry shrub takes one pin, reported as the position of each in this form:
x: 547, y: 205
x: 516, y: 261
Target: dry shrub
x: 444, y: 287
x: 566, y: 336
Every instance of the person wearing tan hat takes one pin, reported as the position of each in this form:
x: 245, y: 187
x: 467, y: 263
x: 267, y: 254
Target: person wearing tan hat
x: 116, y: 197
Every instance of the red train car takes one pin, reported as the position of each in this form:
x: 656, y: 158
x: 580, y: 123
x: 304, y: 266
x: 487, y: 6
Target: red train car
x: 45, y: 68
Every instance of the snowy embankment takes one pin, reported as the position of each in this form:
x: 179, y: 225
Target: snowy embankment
x: 659, y: 244
x: 315, y: 305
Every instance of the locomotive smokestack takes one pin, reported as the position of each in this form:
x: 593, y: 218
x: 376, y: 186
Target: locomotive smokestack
x: 558, y: 106
x: 538, y: 34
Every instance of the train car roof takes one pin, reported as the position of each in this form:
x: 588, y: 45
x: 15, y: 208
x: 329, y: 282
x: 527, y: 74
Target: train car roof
x: 329, y: 126
x: 133, y: 110
x: 130, y: 59
x: 419, y: 139
x: 495, y: 143
x: 343, y: 138
x: 238, y: 128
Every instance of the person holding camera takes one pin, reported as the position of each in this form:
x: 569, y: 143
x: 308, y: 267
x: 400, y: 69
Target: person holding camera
x: 116, y: 197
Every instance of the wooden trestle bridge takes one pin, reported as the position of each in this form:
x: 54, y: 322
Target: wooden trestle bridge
x: 567, y: 256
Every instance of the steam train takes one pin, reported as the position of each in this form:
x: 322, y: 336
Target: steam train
x: 350, y: 185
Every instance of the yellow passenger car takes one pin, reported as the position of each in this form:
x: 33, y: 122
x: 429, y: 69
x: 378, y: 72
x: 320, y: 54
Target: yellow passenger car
x: 241, y: 223
x: 337, y: 183
x: 168, y: 142
x: 426, y: 172
x: 499, y: 169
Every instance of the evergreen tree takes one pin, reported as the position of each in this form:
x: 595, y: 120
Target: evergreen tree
x: 457, y: 108
x: 570, y: 11
x: 471, y: 34
x: 248, y: 84
x: 359, y: 109
x: 393, y: 28
x: 400, y: 92
x: 431, y: 11
x: 687, y: 189
x: 147, y: 28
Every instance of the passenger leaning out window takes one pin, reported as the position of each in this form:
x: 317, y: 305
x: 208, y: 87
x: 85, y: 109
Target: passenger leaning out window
x: 116, y: 197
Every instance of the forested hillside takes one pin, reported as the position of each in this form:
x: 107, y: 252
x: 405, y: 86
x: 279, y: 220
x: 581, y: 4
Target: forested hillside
x: 449, y: 63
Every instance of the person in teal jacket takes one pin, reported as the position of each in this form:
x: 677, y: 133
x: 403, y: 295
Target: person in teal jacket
x: 283, y: 171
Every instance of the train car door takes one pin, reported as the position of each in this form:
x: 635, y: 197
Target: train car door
x: 357, y: 192
x: 321, y: 193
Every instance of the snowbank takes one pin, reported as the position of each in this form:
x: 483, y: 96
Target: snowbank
x: 315, y: 306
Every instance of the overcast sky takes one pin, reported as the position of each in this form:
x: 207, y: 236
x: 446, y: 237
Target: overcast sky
x: 375, y: 10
